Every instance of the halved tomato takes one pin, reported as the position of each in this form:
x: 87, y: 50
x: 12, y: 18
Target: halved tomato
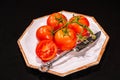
x: 46, y: 50
x: 56, y: 20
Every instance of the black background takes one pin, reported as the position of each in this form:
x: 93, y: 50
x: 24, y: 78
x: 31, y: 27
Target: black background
x: 15, y: 16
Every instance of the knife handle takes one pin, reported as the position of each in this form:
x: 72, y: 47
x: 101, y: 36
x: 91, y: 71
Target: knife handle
x: 47, y: 66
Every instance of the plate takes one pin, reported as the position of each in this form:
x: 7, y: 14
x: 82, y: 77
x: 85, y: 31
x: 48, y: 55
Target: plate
x: 66, y: 65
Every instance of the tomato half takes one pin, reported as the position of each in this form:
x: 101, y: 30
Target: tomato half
x: 77, y: 27
x: 44, y: 32
x: 56, y: 20
x: 65, y: 39
x: 46, y: 50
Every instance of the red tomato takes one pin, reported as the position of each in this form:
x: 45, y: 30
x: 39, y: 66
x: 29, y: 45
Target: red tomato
x: 56, y: 20
x: 44, y: 32
x: 77, y: 27
x: 84, y: 21
x: 46, y: 50
x: 65, y: 39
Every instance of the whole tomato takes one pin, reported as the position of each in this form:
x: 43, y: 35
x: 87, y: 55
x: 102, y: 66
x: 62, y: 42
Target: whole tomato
x: 44, y: 32
x: 65, y: 39
x: 77, y: 23
x: 46, y: 50
x: 56, y: 20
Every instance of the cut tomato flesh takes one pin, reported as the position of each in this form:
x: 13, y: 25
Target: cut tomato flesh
x: 46, y: 50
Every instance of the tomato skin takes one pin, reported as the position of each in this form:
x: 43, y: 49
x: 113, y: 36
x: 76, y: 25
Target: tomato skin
x: 78, y: 28
x: 83, y: 20
x: 46, y: 50
x: 54, y: 22
x: 65, y: 41
x: 44, y: 32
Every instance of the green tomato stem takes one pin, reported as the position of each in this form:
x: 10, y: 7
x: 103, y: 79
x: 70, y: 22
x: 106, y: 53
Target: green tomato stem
x: 91, y: 32
x: 62, y: 27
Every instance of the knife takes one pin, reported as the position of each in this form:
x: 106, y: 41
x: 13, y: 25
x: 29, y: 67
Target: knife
x: 77, y: 48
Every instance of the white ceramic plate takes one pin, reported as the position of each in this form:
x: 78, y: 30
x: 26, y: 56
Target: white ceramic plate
x: 28, y: 41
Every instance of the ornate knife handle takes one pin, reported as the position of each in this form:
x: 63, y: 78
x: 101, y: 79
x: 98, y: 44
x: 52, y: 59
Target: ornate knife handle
x: 47, y: 66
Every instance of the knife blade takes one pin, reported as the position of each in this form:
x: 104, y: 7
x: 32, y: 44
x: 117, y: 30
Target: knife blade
x: 77, y: 48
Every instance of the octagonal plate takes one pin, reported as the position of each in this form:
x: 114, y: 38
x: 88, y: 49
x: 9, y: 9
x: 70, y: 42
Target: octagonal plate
x: 66, y: 65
